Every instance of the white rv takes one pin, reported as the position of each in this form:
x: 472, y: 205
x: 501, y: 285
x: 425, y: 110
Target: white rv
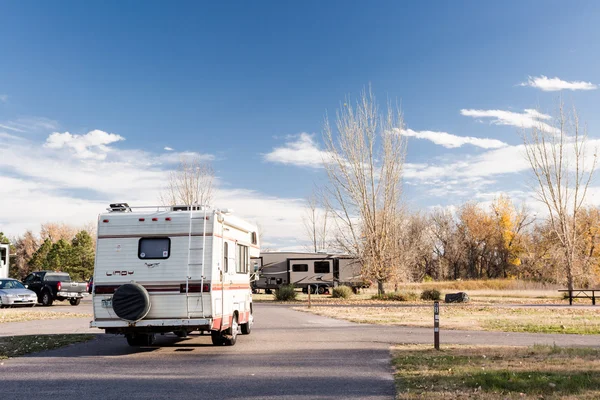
x: 173, y: 269
x: 316, y: 272
x: 4, y: 260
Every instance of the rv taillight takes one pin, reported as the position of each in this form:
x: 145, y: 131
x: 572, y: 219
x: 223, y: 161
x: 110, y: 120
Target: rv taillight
x: 142, y: 219
x: 168, y: 219
x: 154, y: 219
x: 105, y: 221
x: 58, y: 286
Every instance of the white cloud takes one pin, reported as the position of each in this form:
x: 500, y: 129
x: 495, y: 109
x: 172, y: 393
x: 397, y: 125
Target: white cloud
x: 302, y: 152
x: 168, y: 149
x: 555, y: 84
x: 506, y: 160
x: 3, y: 98
x: 528, y: 119
x: 91, y: 145
x: 452, y: 141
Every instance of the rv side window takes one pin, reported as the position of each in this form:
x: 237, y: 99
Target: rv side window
x: 154, y: 248
x: 241, y: 266
x: 300, y: 268
x: 3, y: 255
x: 225, y: 257
x: 321, y: 267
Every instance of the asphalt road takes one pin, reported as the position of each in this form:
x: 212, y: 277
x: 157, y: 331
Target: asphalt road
x: 289, y: 355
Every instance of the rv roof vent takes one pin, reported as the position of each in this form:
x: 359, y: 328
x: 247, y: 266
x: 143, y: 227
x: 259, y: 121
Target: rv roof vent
x: 119, y: 207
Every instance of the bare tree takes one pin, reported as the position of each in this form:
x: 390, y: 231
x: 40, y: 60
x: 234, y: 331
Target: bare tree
x: 563, y: 169
x: 191, y: 183
x: 364, y: 162
x: 315, y: 222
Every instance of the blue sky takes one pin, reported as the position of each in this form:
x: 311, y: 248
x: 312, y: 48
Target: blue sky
x: 234, y: 82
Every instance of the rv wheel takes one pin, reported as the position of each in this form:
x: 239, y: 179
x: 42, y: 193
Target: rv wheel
x: 321, y: 289
x: 231, y: 336
x: 247, y: 327
x: 217, y: 338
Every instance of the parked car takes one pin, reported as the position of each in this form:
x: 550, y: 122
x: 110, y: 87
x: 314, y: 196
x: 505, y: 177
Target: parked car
x: 50, y: 286
x: 13, y: 293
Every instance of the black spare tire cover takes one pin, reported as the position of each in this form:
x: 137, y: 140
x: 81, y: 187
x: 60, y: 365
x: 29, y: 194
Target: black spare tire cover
x: 131, y: 302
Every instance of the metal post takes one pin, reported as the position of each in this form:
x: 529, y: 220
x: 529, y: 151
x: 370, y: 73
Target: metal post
x: 436, y: 324
x: 309, y: 295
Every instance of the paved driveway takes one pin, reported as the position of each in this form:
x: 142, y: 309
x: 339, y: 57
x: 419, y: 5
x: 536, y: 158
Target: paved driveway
x: 289, y: 355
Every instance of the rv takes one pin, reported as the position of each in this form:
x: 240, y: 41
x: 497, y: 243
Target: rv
x: 4, y: 260
x: 173, y: 269
x: 316, y: 272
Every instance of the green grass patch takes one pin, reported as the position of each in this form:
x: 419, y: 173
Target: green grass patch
x: 497, y: 372
x: 15, y: 346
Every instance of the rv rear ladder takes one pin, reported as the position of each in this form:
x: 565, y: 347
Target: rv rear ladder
x: 193, y: 264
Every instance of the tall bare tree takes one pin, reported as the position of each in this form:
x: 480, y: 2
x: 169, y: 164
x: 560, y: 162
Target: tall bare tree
x: 191, y: 183
x: 563, y: 167
x: 364, y: 162
x: 316, y: 220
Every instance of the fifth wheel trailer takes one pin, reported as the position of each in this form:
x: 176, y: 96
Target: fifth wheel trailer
x: 317, y: 271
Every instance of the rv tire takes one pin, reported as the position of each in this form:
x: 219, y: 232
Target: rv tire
x: 217, y: 338
x: 181, y: 334
x: 247, y: 327
x: 321, y: 289
x: 231, y: 337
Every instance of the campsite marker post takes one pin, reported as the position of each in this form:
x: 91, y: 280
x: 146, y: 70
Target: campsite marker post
x: 436, y: 324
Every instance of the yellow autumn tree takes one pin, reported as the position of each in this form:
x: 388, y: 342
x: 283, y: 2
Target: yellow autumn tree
x: 509, y: 225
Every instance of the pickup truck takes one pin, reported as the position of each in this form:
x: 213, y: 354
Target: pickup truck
x: 50, y: 286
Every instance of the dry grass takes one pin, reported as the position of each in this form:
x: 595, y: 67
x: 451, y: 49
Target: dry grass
x: 485, y: 372
x: 15, y: 346
x: 22, y: 315
x: 505, y: 291
x: 473, y: 317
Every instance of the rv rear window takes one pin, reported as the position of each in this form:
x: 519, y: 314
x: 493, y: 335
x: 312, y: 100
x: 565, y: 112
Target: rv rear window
x: 321, y: 267
x: 300, y: 268
x: 154, y: 248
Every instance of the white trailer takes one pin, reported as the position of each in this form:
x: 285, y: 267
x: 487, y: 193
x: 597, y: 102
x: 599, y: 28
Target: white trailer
x: 173, y: 269
x: 4, y: 260
x: 316, y: 272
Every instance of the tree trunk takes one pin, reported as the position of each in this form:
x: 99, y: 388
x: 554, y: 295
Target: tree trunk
x: 380, y: 289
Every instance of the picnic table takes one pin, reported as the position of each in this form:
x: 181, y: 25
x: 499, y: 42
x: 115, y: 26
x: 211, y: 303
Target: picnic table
x: 581, y: 294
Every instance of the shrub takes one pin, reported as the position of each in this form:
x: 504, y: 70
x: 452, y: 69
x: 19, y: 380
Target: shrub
x: 285, y: 293
x: 341, y: 292
x: 404, y: 295
x: 430, y: 294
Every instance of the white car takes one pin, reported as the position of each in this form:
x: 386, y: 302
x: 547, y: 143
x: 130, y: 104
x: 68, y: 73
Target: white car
x: 13, y: 293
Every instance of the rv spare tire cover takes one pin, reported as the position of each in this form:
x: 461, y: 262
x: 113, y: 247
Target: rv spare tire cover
x: 131, y: 302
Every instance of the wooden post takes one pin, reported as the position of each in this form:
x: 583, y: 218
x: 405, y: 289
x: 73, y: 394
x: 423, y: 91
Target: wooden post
x: 436, y: 324
x: 309, y: 296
